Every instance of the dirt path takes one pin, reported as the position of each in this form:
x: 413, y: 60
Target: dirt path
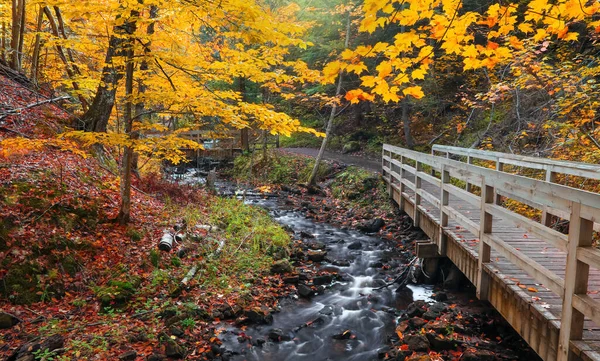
x: 363, y: 161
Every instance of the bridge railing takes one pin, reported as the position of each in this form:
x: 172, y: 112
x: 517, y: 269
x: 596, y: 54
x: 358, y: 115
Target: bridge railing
x: 551, y: 168
x: 404, y: 170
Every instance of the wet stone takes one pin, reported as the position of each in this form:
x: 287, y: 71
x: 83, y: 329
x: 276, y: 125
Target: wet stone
x: 277, y: 335
x: 305, y: 234
x: 316, y: 256
x: 291, y: 280
x: 316, y: 246
x: 417, y: 342
x: 128, y: 356
x: 355, y: 245
x: 258, y: 342
x: 417, y: 323
x: 342, y: 335
x: 156, y: 357
x: 322, y: 280
x: 305, y: 291
x: 376, y: 265
x: 440, y: 296
x: 441, y: 344
x: 176, y: 331
x: 416, y: 308
x: 478, y: 355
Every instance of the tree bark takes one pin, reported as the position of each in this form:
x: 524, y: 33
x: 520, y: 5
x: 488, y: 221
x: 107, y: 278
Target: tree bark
x: 35, y: 61
x: 144, y: 66
x: 127, y: 161
x: 3, y: 53
x: 71, y: 72
x: 313, y: 176
x: 97, y: 116
x: 21, y: 35
x: 244, y: 136
x: 18, y: 14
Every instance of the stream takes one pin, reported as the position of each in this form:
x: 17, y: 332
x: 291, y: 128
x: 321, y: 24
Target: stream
x: 349, y: 319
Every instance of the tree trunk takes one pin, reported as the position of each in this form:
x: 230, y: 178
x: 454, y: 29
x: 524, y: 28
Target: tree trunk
x: 71, y: 72
x: 3, y: 53
x: 244, y: 136
x: 21, y: 35
x: 127, y: 162
x: 144, y: 66
x: 410, y: 143
x: 313, y: 176
x: 97, y: 116
x: 18, y: 14
x: 35, y: 61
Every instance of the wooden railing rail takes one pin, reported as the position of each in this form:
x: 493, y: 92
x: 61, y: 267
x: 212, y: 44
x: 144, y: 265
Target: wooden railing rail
x: 552, y: 167
x: 580, y: 207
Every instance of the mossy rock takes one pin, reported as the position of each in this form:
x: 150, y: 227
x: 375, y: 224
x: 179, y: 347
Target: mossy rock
x: 351, y: 147
x: 117, y: 291
x: 21, y: 285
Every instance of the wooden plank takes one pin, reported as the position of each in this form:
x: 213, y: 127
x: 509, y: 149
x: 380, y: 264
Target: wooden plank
x: 534, y: 269
x: 551, y: 236
x: 589, y: 255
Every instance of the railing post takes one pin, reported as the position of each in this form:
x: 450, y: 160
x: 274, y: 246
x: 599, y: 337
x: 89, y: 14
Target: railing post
x: 402, y: 186
x: 499, y: 168
x: 469, y: 161
x: 418, y: 168
x: 547, y: 217
x: 485, y: 227
x: 576, y: 282
x: 444, y: 197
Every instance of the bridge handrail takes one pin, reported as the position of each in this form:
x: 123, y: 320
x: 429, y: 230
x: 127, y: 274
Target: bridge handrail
x: 580, y: 207
x: 579, y: 169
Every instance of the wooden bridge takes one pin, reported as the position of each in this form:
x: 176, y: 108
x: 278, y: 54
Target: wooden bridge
x: 542, y: 276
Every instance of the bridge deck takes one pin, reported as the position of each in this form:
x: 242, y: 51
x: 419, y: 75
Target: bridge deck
x: 533, y: 308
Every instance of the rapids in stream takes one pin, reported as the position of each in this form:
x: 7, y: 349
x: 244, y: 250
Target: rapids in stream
x: 349, y: 320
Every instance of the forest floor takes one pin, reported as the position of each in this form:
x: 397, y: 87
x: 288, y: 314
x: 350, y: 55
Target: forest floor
x: 362, y: 160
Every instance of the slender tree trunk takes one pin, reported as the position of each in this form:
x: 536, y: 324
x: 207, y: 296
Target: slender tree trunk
x: 244, y: 136
x: 3, y: 52
x: 313, y: 176
x: 410, y: 142
x: 127, y: 161
x: 71, y: 72
x: 35, y: 61
x: 21, y: 35
x: 144, y: 66
x: 17, y: 10
x: 97, y: 116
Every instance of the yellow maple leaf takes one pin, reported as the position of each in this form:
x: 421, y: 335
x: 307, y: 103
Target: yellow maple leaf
x: 418, y: 74
x: 414, y: 91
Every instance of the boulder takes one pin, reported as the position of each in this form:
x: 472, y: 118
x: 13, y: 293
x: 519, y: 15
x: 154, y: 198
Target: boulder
x: 291, y: 279
x: 416, y: 308
x: 174, y: 350
x: 416, y: 342
x: 372, y: 226
x: 316, y: 256
x: 351, y: 147
x: 156, y: 357
x: 277, y: 335
x: 342, y: 335
x: 7, y: 320
x: 478, y: 355
x: 128, y: 356
x: 355, y: 245
x: 417, y: 323
x: 305, y: 291
x: 281, y: 267
x: 259, y: 316
x: 322, y: 280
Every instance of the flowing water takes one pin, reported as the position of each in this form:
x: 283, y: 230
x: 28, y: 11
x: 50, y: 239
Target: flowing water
x: 317, y: 327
